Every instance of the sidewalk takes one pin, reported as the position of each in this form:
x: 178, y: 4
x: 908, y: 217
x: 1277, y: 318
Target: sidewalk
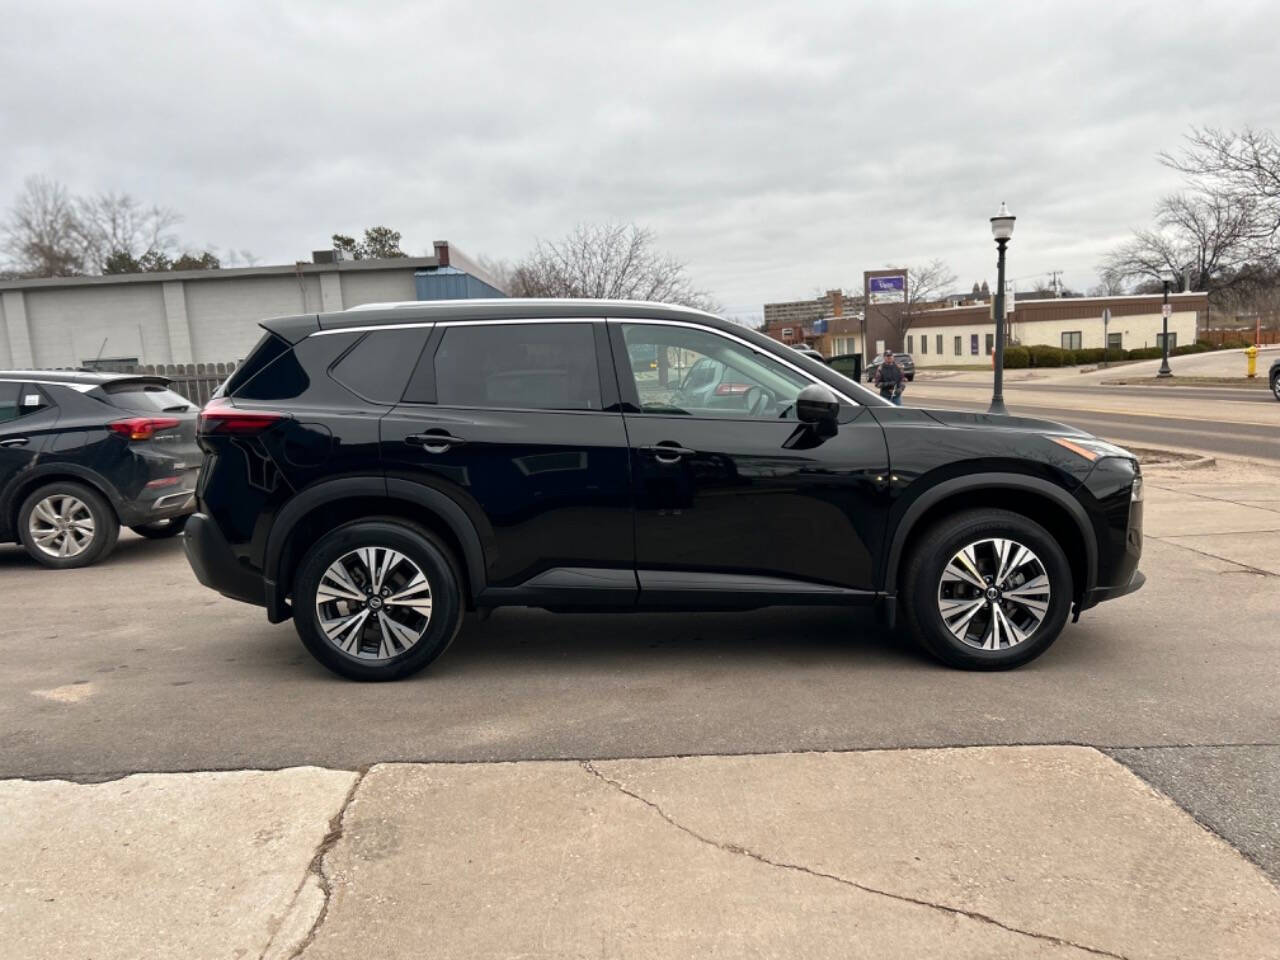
x: 974, y: 852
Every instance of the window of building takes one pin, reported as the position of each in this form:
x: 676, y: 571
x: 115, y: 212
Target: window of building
x: 973, y: 344
x: 1115, y: 341
x: 1071, y: 340
x: 910, y: 349
x: 378, y: 366
x: 991, y: 343
x: 703, y: 374
x: 924, y: 343
x: 938, y: 345
x: 959, y: 345
x: 1173, y: 340
x: 522, y: 366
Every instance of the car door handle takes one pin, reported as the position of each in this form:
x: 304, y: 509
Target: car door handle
x: 667, y: 452
x: 14, y: 442
x: 435, y: 441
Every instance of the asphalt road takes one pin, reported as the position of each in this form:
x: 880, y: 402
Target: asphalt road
x: 1161, y: 416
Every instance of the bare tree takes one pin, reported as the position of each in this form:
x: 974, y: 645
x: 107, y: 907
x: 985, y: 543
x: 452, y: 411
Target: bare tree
x: 927, y: 285
x: 1204, y: 240
x: 1243, y: 165
x: 41, y: 236
x: 117, y: 225
x: 607, y: 261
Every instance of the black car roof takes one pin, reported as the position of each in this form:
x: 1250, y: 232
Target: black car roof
x: 434, y: 311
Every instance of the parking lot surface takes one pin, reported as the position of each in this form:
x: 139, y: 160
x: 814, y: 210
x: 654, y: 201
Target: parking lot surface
x: 684, y: 735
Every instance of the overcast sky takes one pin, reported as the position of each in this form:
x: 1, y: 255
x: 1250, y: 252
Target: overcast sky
x: 778, y: 148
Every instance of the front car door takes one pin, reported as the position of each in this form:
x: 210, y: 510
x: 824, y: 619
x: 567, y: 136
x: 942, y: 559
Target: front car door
x: 734, y: 496
x: 518, y: 422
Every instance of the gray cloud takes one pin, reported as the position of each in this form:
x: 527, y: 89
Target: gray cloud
x: 778, y: 147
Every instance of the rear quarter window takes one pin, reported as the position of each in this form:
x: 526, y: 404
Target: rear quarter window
x: 143, y: 397
x: 377, y: 368
x: 265, y: 352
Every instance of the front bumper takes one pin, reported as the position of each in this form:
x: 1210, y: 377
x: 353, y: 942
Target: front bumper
x: 1099, y: 594
x: 216, y: 566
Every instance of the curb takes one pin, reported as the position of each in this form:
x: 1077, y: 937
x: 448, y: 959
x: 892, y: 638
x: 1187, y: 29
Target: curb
x: 1180, y: 459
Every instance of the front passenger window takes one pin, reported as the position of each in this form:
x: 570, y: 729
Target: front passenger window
x: 698, y: 373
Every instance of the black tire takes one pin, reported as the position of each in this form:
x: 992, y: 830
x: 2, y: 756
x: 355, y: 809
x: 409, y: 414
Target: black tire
x: 106, y: 528
x: 911, y: 378
x: 161, y: 529
x: 923, y: 577
x: 422, y: 548
x: 1275, y: 386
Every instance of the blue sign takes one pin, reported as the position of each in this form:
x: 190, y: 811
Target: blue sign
x: 887, y: 284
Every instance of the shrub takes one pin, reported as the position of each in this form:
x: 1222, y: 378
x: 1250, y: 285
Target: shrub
x: 1115, y: 354
x: 1016, y: 358
x: 1146, y: 353
x: 1186, y: 348
x: 1045, y: 356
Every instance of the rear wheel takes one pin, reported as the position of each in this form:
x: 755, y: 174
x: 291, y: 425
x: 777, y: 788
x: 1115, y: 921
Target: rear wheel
x: 987, y: 590
x: 65, y: 525
x: 378, y: 599
x: 1275, y: 386
x: 161, y: 529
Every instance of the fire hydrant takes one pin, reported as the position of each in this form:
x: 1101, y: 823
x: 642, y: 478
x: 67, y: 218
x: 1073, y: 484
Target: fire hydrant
x: 1252, y: 353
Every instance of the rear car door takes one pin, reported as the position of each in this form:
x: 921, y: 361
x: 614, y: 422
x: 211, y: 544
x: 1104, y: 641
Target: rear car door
x: 732, y: 492
x: 518, y: 422
x: 28, y: 416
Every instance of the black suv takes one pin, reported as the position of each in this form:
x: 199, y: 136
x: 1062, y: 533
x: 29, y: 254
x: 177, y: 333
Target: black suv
x: 1275, y: 379
x: 904, y: 360
x: 83, y: 453
x: 373, y: 474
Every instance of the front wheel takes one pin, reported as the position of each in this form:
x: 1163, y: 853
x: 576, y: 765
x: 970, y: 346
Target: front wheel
x: 987, y: 590
x: 378, y: 599
x: 1275, y: 386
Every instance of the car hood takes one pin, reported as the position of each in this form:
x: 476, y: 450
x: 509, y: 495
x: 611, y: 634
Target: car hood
x: 987, y: 421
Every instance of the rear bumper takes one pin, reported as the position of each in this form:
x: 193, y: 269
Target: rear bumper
x: 134, y: 513
x: 216, y: 566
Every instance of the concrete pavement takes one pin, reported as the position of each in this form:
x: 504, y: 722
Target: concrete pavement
x: 805, y: 837
x: 986, y: 852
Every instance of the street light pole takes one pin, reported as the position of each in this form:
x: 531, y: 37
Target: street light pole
x: 1002, y: 230
x: 1164, y: 340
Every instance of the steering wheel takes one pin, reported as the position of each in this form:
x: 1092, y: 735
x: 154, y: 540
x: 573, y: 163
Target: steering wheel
x: 758, y: 401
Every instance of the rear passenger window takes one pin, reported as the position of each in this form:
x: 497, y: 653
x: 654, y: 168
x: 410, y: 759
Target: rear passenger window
x: 529, y: 366
x: 378, y: 367
x: 9, y: 393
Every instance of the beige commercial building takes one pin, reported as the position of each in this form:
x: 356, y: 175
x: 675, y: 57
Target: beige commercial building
x: 966, y: 335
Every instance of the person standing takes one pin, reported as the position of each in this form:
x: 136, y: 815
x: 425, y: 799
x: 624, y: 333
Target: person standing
x: 888, y: 378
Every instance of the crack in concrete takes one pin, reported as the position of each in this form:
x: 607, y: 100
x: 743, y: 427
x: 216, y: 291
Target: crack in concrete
x: 316, y: 869
x: 742, y: 851
x: 1244, y: 567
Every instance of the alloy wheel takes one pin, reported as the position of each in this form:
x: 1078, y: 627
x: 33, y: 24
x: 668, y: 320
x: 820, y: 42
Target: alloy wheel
x: 61, y: 525
x: 373, y: 603
x: 994, y: 594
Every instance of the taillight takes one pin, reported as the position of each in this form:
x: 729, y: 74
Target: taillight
x: 218, y: 418
x: 142, y: 428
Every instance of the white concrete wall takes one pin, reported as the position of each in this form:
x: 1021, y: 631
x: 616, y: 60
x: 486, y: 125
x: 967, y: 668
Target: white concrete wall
x: 385, y: 286
x: 68, y: 328
x: 1136, y: 331
x: 191, y: 320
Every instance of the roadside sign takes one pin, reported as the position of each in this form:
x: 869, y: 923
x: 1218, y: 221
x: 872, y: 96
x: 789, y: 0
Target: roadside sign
x: 1165, y: 311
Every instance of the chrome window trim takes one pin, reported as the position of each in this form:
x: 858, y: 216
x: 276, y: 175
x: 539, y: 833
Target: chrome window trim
x: 694, y: 325
x: 750, y: 346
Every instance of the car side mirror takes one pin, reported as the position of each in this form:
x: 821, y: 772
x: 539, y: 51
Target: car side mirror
x: 818, y: 406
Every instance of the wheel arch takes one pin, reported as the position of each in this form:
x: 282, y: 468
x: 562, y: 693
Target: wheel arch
x: 1039, y: 500
x: 320, y: 508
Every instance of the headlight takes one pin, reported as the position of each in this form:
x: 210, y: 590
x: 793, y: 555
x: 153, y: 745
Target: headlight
x: 1091, y: 448
x: 1136, y: 496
